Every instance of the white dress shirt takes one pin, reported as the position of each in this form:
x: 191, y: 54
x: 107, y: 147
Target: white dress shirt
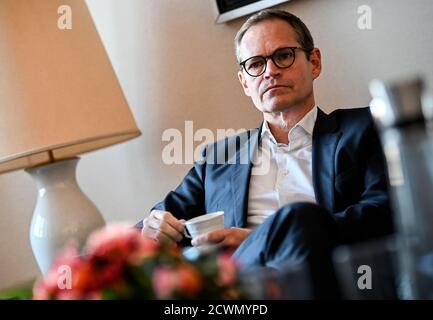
x: 288, y: 175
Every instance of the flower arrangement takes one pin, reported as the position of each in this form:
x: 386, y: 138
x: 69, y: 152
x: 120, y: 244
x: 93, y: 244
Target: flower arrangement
x: 117, y: 262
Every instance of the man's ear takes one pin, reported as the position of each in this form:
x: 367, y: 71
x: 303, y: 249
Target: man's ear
x: 316, y: 62
x: 243, y: 82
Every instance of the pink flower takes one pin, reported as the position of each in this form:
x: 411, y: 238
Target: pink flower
x: 69, y: 295
x: 227, y: 269
x: 103, y: 272
x: 41, y: 291
x: 146, y: 248
x: 121, y: 242
x: 51, y: 285
x: 110, y: 249
x: 189, y: 280
x: 113, y: 241
x: 94, y: 295
x: 118, y: 262
x: 184, y: 280
x: 164, y: 282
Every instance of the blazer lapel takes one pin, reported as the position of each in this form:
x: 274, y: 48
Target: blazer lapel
x: 240, y: 180
x: 325, y: 139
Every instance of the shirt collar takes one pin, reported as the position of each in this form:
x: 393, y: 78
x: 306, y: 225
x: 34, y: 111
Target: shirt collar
x: 307, y: 123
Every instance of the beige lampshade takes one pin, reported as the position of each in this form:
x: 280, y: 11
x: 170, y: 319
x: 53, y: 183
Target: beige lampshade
x: 59, y: 95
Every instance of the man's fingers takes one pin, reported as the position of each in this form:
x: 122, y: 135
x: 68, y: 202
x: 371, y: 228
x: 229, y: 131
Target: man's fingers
x: 164, y: 228
x: 198, y: 241
x: 210, y: 237
x: 232, y: 237
x: 157, y: 226
x: 157, y: 235
x: 217, y: 235
x: 169, y: 218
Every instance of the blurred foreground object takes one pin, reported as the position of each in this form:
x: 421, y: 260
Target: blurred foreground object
x: 398, y: 112
x: 119, y: 263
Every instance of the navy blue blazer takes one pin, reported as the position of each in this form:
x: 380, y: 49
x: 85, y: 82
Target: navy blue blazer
x: 349, y: 177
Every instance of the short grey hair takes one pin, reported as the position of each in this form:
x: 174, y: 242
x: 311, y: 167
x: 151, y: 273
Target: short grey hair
x: 302, y: 33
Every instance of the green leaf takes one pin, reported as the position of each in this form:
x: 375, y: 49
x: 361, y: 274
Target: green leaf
x: 24, y: 291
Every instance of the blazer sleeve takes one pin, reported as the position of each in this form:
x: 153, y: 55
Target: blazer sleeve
x: 187, y: 200
x: 371, y: 216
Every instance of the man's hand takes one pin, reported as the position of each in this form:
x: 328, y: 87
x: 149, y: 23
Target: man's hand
x: 162, y: 225
x: 232, y: 237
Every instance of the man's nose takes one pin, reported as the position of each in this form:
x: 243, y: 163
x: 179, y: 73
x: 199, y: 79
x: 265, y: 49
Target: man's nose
x: 271, y: 69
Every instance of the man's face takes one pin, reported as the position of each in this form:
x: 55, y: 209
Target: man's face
x: 278, y: 90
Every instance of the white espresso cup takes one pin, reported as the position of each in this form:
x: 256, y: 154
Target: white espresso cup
x: 203, y: 224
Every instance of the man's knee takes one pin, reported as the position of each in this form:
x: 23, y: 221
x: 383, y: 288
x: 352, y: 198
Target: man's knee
x: 308, y: 220
x: 305, y: 213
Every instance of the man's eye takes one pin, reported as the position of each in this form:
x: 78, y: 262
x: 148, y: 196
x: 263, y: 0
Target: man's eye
x: 284, y: 56
x: 255, y: 65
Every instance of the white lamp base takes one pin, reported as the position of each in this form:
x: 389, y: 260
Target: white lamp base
x: 62, y: 213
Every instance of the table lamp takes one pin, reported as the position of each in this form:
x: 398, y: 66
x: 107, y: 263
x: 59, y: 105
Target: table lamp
x: 59, y: 98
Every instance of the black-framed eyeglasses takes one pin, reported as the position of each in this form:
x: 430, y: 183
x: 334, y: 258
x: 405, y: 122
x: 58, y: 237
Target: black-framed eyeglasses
x: 283, y: 58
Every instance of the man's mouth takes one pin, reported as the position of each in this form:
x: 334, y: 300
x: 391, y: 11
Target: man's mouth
x: 273, y: 87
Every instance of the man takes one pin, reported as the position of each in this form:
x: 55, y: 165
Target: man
x: 326, y: 183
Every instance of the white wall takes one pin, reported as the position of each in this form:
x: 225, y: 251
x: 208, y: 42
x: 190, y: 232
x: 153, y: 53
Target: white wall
x: 175, y: 64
